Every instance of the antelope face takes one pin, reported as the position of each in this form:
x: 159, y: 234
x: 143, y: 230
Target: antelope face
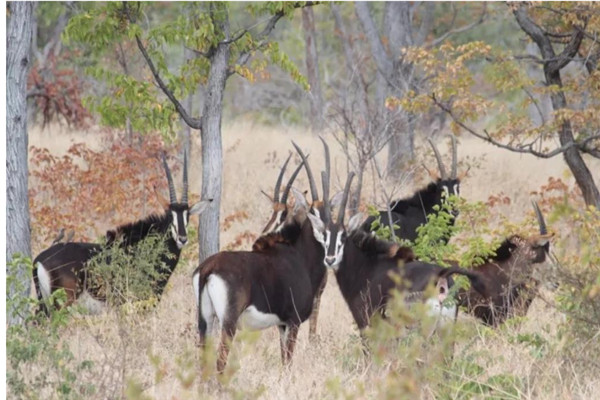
x: 447, y: 188
x: 180, y: 214
x: 532, y: 249
x: 332, y: 237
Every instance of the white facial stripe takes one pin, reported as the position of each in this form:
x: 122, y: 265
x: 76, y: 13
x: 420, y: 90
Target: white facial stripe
x: 446, y: 190
x: 456, y: 189
x: 319, y: 236
x: 185, y: 217
x: 327, y: 239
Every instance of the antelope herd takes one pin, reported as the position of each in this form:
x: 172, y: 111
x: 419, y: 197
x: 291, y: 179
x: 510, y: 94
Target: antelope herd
x: 280, y: 281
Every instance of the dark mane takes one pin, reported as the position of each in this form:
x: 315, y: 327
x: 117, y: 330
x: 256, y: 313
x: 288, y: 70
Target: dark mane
x: 135, y: 232
x: 424, y: 198
x: 288, y: 234
x: 374, y: 246
x: 504, y: 251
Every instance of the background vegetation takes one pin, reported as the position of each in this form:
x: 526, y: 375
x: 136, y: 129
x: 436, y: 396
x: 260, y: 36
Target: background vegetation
x: 99, y: 119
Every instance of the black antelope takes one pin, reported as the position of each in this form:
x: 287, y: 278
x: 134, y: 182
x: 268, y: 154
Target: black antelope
x: 63, y: 265
x: 410, y: 213
x: 273, y: 285
x: 508, y: 277
x: 364, y: 266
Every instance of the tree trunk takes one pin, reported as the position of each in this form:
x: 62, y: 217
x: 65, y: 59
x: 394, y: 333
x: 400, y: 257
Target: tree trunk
x: 312, y: 69
x: 581, y: 173
x: 19, y: 34
x: 212, y: 151
x: 186, y: 130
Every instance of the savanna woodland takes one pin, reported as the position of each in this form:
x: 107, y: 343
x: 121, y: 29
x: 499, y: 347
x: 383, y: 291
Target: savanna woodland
x: 407, y: 191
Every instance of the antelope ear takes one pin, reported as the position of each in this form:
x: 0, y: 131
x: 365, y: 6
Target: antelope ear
x: 336, y: 200
x: 355, y: 222
x: 299, y: 200
x: 542, y: 240
x: 199, y: 207
x: 316, y: 222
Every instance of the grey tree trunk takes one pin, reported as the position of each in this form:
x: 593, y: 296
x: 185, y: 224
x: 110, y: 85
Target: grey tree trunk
x: 186, y: 130
x: 19, y: 34
x: 312, y: 69
x: 212, y: 151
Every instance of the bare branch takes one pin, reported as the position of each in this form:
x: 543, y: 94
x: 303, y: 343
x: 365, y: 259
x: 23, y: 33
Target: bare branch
x: 526, y: 148
x: 463, y: 28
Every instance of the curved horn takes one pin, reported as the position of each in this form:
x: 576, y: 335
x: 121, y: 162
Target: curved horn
x: 540, y: 218
x: 327, y: 158
x: 453, y: 173
x: 311, y: 179
x: 342, y: 209
x: 326, y: 210
x: 172, y: 195
x: 325, y: 178
x: 286, y: 191
x: 184, y: 196
x: 438, y: 157
x: 279, y: 179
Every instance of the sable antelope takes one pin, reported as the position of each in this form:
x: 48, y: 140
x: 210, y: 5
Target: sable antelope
x: 317, y: 207
x: 363, y: 265
x: 508, y: 277
x: 273, y: 285
x: 410, y: 213
x: 63, y: 265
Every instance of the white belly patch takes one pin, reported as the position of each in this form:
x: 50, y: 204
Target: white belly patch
x: 435, y: 309
x: 253, y: 319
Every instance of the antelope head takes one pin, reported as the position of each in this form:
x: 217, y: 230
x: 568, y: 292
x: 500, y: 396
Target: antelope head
x: 448, y: 185
x: 329, y: 233
x: 179, y: 212
x: 280, y: 210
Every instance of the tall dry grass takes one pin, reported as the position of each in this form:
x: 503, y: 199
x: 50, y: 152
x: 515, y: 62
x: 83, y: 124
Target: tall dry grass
x: 122, y: 348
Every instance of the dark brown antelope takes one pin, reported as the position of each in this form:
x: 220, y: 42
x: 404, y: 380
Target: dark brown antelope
x: 364, y: 266
x: 508, y: 277
x: 317, y: 207
x: 63, y: 265
x: 412, y: 212
x: 273, y: 285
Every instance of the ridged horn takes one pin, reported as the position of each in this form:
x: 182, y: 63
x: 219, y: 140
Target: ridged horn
x: 453, y: 170
x: 540, y: 218
x: 438, y: 157
x: 172, y: 195
x: 311, y: 179
x: 326, y: 209
x: 327, y: 158
x: 342, y: 209
x: 286, y: 191
x: 184, y: 196
x: 279, y: 179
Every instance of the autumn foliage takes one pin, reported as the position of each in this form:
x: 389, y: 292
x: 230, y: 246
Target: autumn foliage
x: 90, y: 191
x: 56, y: 91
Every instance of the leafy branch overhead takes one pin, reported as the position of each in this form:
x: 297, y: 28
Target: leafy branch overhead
x: 200, y: 29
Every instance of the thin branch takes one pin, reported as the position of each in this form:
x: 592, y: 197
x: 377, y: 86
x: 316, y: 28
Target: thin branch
x: 525, y: 148
x: 463, y: 28
x: 535, y: 103
x: 195, y: 123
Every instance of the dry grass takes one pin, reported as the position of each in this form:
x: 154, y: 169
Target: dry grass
x: 253, y: 155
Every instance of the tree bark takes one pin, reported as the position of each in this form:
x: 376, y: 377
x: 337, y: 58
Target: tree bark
x: 581, y: 173
x: 19, y: 36
x: 212, y: 151
x: 312, y: 69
